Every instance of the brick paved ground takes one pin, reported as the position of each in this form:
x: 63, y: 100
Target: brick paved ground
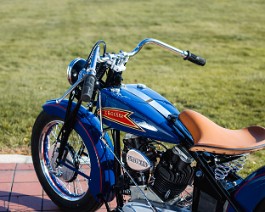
x: 20, y: 190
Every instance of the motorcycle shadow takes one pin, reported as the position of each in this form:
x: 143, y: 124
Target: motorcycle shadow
x: 21, y: 202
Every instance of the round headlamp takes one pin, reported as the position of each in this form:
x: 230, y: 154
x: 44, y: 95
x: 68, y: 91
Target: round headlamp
x: 73, y: 69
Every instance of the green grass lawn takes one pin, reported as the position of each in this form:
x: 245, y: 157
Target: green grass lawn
x: 39, y: 38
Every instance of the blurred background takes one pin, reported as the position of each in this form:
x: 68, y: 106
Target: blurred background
x: 38, y: 39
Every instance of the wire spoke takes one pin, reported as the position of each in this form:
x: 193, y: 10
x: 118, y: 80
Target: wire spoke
x: 65, y: 181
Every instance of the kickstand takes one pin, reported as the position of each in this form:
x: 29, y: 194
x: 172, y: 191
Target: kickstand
x: 107, y: 206
x: 105, y: 203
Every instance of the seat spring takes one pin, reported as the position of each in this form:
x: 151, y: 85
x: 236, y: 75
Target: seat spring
x: 222, y: 169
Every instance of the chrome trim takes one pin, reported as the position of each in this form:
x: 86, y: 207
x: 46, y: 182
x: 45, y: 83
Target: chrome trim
x: 100, y: 112
x: 71, y: 191
x: 70, y: 68
x: 137, y: 161
x: 69, y: 90
x: 126, y: 55
x: 158, y: 43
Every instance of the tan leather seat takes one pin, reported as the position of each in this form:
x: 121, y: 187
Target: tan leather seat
x: 210, y: 137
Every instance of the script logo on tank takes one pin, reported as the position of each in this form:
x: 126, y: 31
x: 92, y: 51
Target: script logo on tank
x: 120, y: 116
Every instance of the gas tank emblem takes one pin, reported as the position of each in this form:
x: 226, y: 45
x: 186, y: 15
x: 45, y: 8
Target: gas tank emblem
x: 120, y: 116
x: 137, y: 160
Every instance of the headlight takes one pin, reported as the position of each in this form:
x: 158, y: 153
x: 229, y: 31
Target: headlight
x: 73, y: 69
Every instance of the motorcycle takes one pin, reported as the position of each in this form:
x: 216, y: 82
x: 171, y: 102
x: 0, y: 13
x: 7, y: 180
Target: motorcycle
x: 125, y: 142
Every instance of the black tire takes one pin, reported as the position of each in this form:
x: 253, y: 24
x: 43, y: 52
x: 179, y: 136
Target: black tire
x: 57, y: 182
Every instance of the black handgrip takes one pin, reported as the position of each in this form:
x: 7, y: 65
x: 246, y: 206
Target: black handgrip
x: 195, y: 59
x: 88, y: 88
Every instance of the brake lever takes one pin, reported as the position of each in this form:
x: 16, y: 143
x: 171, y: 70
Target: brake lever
x: 69, y: 90
x: 81, y: 77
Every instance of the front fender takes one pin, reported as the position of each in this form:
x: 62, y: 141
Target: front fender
x: 102, y: 178
x: 251, y: 191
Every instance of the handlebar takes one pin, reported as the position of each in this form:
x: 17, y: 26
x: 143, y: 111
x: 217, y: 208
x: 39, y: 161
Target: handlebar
x: 158, y: 43
x: 195, y: 59
x: 117, y: 62
x: 187, y: 55
x: 90, y: 78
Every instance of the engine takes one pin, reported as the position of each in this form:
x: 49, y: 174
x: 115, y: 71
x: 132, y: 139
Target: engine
x: 165, y: 172
x: 139, y: 156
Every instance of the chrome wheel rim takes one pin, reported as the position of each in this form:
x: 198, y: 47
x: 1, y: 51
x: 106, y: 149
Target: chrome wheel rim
x: 65, y: 182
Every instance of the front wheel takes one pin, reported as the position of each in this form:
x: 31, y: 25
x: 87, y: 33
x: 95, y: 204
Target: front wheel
x: 64, y: 186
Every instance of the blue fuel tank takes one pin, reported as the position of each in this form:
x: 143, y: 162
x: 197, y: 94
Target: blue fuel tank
x: 139, y: 110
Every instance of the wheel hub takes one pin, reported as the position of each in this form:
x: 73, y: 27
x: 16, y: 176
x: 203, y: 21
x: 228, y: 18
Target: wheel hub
x: 62, y: 171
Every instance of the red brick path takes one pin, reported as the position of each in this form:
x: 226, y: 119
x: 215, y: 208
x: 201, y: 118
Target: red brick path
x: 20, y: 190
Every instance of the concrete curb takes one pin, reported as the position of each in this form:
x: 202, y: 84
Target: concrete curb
x: 15, y: 158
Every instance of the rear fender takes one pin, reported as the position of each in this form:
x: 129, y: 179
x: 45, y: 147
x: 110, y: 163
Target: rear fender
x: 251, y: 191
x: 102, y: 178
